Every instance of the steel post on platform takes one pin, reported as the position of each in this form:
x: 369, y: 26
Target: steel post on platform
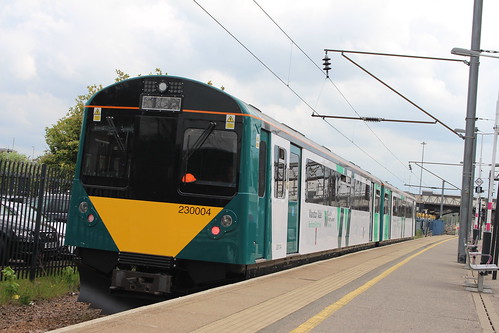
x: 466, y: 210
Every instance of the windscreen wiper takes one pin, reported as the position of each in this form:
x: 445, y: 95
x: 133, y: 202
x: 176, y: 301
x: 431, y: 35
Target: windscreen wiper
x: 200, y: 141
x: 110, y: 121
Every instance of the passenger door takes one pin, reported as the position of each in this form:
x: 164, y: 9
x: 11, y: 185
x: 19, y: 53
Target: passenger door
x: 294, y: 177
x: 377, y: 223
x: 280, y: 158
x: 263, y: 237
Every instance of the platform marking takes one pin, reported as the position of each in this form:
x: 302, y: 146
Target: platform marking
x: 331, y: 309
x: 275, y: 308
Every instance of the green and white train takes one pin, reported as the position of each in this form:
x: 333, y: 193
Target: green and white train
x: 180, y: 186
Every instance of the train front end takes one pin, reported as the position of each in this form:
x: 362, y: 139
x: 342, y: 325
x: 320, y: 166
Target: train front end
x: 160, y: 192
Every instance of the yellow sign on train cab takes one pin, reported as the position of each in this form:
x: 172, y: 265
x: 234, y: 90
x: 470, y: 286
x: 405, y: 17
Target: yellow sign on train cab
x: 97, y: 114
x: 230, y: 121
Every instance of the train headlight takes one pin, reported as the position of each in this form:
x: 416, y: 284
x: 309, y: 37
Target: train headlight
x: 83, y: 207
x: 90, y: 218
x: 226, y: 221
x: 162, y: 87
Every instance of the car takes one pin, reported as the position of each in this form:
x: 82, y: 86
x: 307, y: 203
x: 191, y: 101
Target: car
x: 18, y: 230
x: 55, y: 206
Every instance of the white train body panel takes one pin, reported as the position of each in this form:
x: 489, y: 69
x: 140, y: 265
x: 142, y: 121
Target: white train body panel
x: 324, y: 227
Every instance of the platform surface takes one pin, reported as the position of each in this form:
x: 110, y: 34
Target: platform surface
x: 413, y: 286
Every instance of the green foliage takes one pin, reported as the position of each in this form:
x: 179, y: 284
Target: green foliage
x: 25, y: 292
x: 11, y: 287
x: 121, y: 76
x: 71, y: 278
x: 13, y: 157
x: 63, y: 138
x: 211, y: 84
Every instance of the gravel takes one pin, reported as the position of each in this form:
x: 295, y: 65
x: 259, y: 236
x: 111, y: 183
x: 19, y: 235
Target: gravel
x: 45, y: 315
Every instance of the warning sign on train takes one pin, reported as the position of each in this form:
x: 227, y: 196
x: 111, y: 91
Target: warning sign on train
x: 97, y: 114
x: 230, y: 121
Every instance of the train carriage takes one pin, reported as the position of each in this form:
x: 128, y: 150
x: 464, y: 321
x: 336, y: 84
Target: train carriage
x: 180, y: 186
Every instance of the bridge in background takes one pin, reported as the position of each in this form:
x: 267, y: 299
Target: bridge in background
x: 431, y: 202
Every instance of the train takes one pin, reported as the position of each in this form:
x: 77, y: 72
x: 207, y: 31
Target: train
x: 180, y: 186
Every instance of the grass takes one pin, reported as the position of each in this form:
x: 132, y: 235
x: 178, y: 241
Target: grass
x: 24, y: 291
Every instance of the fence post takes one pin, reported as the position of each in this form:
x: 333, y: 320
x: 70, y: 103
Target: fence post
x: 33, y: 268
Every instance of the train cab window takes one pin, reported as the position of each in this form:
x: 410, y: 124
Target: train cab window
x: 107, y: 157
x: 279, y: 172
x: 209, y: 162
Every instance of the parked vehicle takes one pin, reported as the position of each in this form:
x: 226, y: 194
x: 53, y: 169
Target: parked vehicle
x: 18, y: 235
x: 55, y: 206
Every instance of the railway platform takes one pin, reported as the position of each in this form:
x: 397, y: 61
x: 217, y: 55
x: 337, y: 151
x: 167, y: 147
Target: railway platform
x: 413, y: 286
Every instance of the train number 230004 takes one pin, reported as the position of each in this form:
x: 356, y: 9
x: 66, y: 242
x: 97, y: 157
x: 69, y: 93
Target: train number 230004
x: 194, y: 210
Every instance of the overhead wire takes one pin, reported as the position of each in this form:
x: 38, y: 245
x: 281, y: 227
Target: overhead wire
x: 294, y: 91
x: 332, y: 82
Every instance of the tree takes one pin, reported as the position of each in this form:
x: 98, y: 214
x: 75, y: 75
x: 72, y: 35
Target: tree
x: 63, y: 137
x: 13, y: 156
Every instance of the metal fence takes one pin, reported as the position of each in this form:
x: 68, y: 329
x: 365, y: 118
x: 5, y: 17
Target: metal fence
x: 33, y: 212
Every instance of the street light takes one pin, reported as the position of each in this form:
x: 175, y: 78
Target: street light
x: 469, y: 138
x: 466, y: 205
x: 422, y: 161
x: 468, y: 53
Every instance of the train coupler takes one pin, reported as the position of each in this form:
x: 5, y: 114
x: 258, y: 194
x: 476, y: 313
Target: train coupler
x: 150, y: 283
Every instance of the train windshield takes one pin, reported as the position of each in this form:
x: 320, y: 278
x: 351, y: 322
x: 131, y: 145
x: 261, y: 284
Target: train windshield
x: 158, y: 157
x: 106, y: 160
x: 131, y: 153
x: 209, y: 161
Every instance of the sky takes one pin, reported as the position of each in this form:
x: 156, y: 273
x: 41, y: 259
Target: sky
x: 267, y: 53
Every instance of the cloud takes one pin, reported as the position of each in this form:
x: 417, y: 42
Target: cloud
x: 53, y: 50
x: 24, y: 118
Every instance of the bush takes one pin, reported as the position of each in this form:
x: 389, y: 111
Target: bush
x: 25, y: 292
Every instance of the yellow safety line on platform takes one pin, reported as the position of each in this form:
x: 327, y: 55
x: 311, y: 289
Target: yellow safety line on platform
x: 274, y: 309
x: 331, y: 309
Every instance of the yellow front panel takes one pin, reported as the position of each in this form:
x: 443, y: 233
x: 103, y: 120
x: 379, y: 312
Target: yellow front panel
x: 152, y: 227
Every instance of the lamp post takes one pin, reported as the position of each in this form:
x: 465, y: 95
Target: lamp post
x: 467, y: 177
x: 466, y: 208
x: 421, y: 175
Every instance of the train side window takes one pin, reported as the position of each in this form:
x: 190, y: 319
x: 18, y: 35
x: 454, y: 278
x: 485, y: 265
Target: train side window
x: 294, y: 176
x: 262, y: 169
x: 344, y: 191
x: 387, y: 204
x: 279, y: 172
x: 314, y: 182
x: 377, y: 202
x: 360, y: 201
